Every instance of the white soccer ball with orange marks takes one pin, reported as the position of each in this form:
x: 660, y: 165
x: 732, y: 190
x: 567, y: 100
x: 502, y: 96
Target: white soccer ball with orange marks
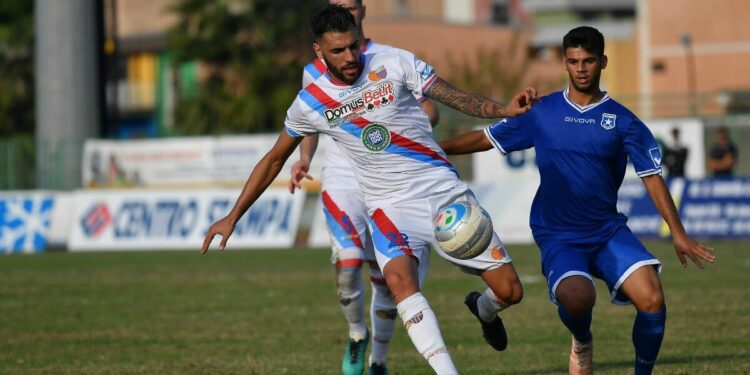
x: 463, y: 230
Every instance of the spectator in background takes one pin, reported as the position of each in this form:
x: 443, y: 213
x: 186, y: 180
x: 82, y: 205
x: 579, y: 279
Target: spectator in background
x: 675, y: 156
x: 723, y: 155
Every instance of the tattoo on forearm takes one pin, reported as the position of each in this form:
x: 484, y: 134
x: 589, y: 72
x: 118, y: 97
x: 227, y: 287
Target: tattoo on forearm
x: 472, y: 104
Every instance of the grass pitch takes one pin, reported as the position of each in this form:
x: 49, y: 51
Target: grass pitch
x: 276, y: 312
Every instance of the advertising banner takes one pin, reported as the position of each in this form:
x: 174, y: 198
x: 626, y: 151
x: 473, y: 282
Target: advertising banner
x: 166, y: 220
x: 25, y: 221
x: 716, y: 208
x: 181, y: 162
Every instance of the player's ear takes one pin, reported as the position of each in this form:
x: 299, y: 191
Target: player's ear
x: 604, y: 61
x: 318, y: 50
x: 363, y: 13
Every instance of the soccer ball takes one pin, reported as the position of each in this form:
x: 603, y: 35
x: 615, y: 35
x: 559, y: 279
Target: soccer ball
x: 463, y: 230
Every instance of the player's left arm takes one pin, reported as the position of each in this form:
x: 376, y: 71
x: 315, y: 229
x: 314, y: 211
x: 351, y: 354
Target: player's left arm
x: 468, y: 143
x: 477, y: 105
x: 684, y: 245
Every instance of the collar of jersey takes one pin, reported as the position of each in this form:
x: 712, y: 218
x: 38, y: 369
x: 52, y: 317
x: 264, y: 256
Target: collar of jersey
x: 367, y: 44
x: 334, y: 81
x: 586, y: 107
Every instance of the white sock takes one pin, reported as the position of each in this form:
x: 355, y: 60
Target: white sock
x: 489, y: 305
x: 351, y: 297
x: 422, y: 327
x: 383, y: 315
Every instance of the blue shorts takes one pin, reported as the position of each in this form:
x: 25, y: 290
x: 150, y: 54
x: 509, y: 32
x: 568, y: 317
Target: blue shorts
x: 612, y: 261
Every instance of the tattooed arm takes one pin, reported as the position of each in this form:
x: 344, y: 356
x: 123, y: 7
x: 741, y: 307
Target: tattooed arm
x: 477, y: 105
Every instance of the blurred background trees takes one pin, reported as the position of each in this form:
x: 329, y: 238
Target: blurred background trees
x: 16, y: 67
x: 251, y: 55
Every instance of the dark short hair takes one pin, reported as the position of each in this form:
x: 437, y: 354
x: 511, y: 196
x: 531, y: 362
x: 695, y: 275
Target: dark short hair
x: 585, y: 37
x: 332, y: 18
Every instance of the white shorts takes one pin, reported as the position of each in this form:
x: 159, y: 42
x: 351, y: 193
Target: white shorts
x: 408, y: 229
x: 346, y: 219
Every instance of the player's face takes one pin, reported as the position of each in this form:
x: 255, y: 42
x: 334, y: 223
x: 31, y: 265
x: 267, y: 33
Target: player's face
x: 340, y: 51
x: 351, y: 6
x: 584, y: 68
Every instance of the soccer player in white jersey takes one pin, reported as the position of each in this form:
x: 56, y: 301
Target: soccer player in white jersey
x: 346, y: 218
x: 366, y: 104
x: 583, y: 140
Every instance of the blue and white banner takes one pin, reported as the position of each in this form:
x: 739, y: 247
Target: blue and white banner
x: 633, y: 200
x: 716, y: 208
x: 166, y: 220
x: 25, y: 221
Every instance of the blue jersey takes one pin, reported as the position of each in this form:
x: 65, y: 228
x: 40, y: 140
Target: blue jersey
x: 581, y: 153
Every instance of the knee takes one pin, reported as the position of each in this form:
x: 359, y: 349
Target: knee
x: 653, y: 302
x: 401, y: 285
x: 577, y: 298
x: 511, y: 293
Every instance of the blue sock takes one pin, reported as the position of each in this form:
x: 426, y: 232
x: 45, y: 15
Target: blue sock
x: 648, y: 332
x: 579, y: 326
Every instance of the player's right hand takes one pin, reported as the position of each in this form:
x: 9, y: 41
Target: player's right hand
x: 223, y: 227
x: 686, y: 246
x: 522, y: 102
x: 299, y: 171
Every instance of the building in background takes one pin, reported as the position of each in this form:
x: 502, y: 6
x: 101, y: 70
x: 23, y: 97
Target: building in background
x: 671, y: 58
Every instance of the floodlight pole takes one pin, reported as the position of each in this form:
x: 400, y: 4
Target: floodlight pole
x: 687, y: 41
x: 67, y: 89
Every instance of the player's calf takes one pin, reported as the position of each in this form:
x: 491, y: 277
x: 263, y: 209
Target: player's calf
x: 350, y: 290
x: 383, y: 316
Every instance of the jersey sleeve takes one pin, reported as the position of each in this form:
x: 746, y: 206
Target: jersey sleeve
x: 512, y: 134
x: 296, y: 123
x: 418, y: 75
x: 641, y: 147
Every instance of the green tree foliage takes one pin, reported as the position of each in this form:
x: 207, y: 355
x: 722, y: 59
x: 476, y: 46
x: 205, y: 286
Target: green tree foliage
x: 498, y: 72
x: 253, y: 52
x: 16, y: 67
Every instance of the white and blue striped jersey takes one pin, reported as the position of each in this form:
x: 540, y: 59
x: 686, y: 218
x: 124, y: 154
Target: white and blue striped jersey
x: 380, y: 127
x: 337, y: 172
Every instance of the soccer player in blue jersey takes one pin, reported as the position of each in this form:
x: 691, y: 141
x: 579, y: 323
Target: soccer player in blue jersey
x: 583, y: 140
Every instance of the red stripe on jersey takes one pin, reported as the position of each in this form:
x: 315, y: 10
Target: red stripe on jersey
x: 389, y: 230
x: 322, y: 97
x: 349, y: 263
x: 405, y: 142
x: 320, y: 65
x: 361, y: 122
x: 429, y: 82
x: 343, y: 219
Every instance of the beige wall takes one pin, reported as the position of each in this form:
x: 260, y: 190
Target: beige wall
x: 720, y: 42
x: 414, y: 8
x: 619, y: 78
x: 437, y: 43
x: 143, y: 17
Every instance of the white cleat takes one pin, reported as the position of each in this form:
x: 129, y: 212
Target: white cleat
x: 581, y: 358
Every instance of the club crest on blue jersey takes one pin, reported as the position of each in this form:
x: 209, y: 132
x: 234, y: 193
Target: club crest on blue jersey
x: 608, y: 121
x: 376, y: 137
x: 655, y: 156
